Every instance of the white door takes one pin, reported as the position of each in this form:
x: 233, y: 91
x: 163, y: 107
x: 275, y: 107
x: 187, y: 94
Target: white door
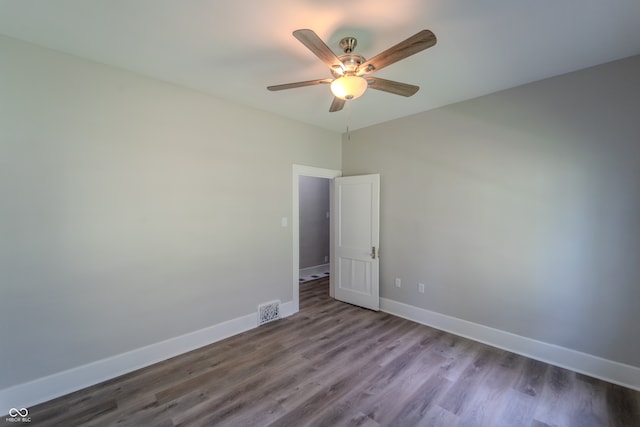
x: 356, y: 229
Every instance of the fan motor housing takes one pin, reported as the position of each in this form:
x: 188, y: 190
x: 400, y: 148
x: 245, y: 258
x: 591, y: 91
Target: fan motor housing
x: 351, y: 63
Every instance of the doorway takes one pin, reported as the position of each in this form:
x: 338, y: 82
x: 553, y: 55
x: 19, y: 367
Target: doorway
x: 314, y: 215
x: 300, y: 171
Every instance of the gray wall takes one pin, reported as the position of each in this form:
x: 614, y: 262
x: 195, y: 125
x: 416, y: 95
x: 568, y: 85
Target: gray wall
x: 314, y: 224
x: 133, y: 211
x: 519, y: 210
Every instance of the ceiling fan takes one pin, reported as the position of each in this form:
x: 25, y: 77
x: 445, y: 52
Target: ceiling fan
x: 351, y: 71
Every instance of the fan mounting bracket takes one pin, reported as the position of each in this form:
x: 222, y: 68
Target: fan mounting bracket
x: 348, y: 44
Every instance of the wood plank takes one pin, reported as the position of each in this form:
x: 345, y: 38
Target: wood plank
x: 533, y: 376
x: 589, y: 408
x: 483, y: 410
x: 517, y: 409
x: 555, y: 399
x: 622, y: 407
x: 460, y: 394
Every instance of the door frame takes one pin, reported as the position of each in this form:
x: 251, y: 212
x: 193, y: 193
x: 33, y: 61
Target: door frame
x: 297, y: 172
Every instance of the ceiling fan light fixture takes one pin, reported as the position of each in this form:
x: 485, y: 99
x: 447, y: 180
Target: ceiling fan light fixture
x: 348, y: 87
x: 348, y: 69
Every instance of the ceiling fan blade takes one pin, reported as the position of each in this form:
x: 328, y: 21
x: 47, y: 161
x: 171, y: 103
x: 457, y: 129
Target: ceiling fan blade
x: 390, y: 86
x: 337, y: 104
x: 414, y: 44
x: 318, y: 47
x: 299, y: 84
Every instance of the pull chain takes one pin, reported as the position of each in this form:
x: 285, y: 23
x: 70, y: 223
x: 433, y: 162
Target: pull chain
x: 348, y: 116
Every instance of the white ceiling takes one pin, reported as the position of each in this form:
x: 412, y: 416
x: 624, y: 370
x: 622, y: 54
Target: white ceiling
x: 234, y: 49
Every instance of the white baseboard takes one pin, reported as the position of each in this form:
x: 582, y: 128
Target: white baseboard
x: 286, y: 309
x: 594, y: 366
x: 316, y: 269
x: 59, y: 384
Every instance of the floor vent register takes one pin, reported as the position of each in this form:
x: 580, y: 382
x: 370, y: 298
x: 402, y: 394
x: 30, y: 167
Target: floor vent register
x: 268, y: 312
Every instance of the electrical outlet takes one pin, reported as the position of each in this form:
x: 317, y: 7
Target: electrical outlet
x: 326, y: 258
x: 398, y: 282
x: 421, y: 288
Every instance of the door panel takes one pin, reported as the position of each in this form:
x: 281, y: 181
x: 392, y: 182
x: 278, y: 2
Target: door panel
x: 356, y: 274
x: 356, y: 231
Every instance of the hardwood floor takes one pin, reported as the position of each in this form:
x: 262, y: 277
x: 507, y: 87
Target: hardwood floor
x: 333, y: 364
